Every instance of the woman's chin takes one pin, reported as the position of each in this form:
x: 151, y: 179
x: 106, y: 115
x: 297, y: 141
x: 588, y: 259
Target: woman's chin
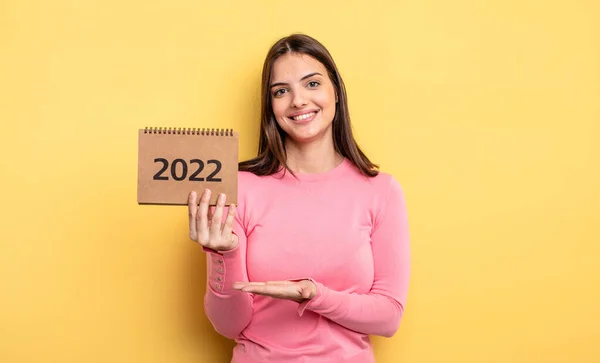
x: 302, y: 134
x: 307, y: 137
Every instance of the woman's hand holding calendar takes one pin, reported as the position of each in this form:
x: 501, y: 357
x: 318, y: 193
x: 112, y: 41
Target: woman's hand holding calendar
x: 206, y: 223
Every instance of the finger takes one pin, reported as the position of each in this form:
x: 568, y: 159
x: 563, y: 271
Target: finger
x: 202, y: 217
x: 260, y: 283
x: 306, y: 292
x: 228, y: 228
x: 280, y: 283
x: 263, y: 290
x: 192, y: 211
x: 239, y: 285
x: 282, y: 292
x: 285, y: 293
x: 215, y: 224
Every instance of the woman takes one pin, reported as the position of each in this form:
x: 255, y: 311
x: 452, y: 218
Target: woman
x: 315, y: 257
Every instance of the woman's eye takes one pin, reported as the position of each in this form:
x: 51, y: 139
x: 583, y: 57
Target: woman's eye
x: 313, y: 84
x: 279, y: 92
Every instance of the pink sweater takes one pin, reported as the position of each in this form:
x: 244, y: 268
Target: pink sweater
x: 344, y: 231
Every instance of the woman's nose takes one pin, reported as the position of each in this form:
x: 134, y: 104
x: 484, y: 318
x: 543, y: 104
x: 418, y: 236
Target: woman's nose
x: 299, y: 99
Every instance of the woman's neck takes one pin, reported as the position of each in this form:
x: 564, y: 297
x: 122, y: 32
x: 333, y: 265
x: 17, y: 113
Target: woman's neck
x: 312, y: 158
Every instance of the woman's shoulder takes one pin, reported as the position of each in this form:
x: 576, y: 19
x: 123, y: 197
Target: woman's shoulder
x: 248, y: 182
x: 385, y: 180
x: 384, y: 187
x: 251, y: 179
x: 380, y: 182
x: 247, y: 176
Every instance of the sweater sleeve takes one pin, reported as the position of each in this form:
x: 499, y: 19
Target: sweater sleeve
x: 379, y: 311
x: 228, y: 310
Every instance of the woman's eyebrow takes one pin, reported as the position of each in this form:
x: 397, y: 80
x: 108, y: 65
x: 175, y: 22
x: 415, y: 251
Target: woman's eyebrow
x: 302, y: 79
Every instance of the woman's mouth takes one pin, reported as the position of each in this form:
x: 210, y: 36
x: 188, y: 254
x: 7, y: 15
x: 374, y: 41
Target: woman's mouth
x: 305, y: 117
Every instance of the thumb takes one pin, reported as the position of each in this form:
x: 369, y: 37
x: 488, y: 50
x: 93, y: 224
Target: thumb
x: 306, y: 292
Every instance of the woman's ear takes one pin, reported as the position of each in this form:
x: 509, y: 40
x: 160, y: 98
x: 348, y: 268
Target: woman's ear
x: 336, y: 98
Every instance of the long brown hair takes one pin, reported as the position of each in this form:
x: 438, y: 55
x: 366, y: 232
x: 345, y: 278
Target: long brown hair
x: 271, y: 150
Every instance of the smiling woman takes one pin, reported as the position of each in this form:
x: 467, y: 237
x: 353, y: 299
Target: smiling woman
x: 299, y: 76
x: 315, y: 258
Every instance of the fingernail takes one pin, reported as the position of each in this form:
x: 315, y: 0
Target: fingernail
x: 221, y: 197
x: 207, y: 192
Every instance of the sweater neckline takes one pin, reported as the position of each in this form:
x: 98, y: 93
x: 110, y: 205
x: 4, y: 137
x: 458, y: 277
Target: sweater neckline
x: 340, y: 169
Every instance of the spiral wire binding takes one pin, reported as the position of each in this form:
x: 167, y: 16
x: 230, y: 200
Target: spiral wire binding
x: 188, y: 131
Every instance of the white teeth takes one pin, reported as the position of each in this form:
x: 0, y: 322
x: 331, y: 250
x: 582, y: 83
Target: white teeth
x: 304, y: 117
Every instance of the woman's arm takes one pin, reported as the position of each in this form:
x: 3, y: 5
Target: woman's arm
x: 380, y: 310
x: 224, y: 241
x: 228, y: 310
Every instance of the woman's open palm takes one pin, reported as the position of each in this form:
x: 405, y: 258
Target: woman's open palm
x: 291, y: 290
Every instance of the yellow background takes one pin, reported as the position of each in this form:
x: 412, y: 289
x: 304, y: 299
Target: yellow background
x: 487, y: 112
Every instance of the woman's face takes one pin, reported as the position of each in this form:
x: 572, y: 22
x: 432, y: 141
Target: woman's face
x: 303, y: 97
